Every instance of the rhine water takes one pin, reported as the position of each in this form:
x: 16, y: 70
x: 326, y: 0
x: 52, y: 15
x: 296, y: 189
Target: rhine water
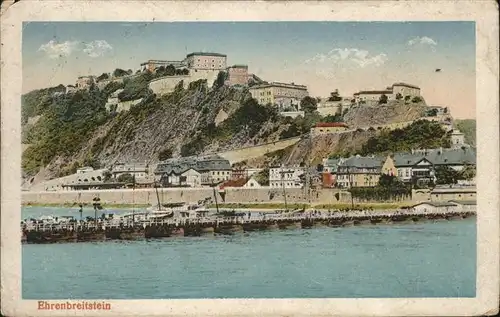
x: 427, y: 259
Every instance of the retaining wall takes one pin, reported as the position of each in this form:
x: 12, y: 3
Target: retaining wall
x: 192, y: 195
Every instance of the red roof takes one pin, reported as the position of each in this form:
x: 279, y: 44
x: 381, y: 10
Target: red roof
x: 331, y: 125
x: 235, y: 183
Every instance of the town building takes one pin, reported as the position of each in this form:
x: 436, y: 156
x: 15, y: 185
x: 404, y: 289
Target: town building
x: 211, y: 169
x: 206, y: 61
x: 238, y: 173
x: 328, y: 127
x: 137, y: 170
x: 328, y: 107
x: 465, y: 205
x: 457, y: 139
x: 252, y: 182
x: 286, y: 177
x: 85, y: 169
x: 237, y: 75
x: 420, y: 165
x: 359, y: 171
x: 84, y: 82
x: 432, y: 207
x: 447, y: 193
x: 392, y: 93
x: 286, y: 97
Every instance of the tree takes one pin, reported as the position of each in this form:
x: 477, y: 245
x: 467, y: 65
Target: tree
x: 445, y: 110
x: 468, y: 173
x: 221, y: 78
x: 185, y: 71
x: 319, y: 167
x: 432, y: 112
x: 383, y: 99
x: 407, y: 98
x: 335, y: 118
x: 165, y: 154
x: 416, y: 99
x: 446, y: 175
x: 170, y: 70
x: 309, y: 104
x: 399, y: 96
x: 119, y: 72
x: 107, y: 176
x: 103, y: 76
x: 126, y: 178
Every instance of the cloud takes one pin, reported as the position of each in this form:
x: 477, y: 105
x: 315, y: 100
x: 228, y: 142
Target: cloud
x: 97, y: 48
x: 54, y: 49
x: 424, y: 40
x: 349, y: 56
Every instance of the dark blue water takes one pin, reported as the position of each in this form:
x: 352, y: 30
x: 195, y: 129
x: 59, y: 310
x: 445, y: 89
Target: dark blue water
x: 431, y: 259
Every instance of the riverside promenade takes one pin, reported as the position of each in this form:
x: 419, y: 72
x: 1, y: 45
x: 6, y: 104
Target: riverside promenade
x: 116, y: 229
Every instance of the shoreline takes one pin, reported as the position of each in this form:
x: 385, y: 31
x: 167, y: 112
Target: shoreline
x: 263, y: 207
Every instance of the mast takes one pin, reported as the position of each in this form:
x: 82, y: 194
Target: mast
x: 133, y: 196
x: 283, y: 186
x: 157, y: 195
x: 216, y: 202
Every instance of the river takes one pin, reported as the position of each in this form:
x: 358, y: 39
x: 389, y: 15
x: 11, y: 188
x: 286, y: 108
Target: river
x: 427, y: 259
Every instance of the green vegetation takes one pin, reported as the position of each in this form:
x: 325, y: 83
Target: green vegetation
x: 309, y: 104
x: 65, y: 126
x: 126, y: 178
x: 120, y: 73
x: 388, y: 188
x: 165, y: 154
x: 335, y: 118
x: 136, y: 88
x: 399, y: 96
x: 468, y: 128
x: 447, y: 175
x: 36, y: 102
x: 300, y: 125
x: 416, y: 99
x: 420, y: 134
x: 103, y: 76
x: 383, y: 99
x: 221, y: 79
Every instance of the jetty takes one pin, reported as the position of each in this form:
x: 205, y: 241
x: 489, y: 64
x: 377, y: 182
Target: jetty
x: 210, y: 225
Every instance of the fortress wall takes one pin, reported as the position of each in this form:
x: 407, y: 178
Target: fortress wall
x: 257, y: 151
x: 166, y: 85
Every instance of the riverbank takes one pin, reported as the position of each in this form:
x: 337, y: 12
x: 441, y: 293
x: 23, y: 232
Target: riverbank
x: 129, y: 229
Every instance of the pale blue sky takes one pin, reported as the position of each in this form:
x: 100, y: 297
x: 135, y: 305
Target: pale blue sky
x: 322, y: 55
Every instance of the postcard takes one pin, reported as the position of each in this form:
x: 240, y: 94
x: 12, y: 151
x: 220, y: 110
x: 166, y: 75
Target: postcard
x: 250, y: 158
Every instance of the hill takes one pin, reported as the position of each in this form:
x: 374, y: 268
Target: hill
x: 76, y: 130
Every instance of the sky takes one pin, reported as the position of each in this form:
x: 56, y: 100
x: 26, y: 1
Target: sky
x: 324, y: 56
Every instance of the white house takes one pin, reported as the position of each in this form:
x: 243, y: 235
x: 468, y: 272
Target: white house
x: 465, y: 205
x: 288, y: 177
x: 434, y: 207
x: 85, y: 169
x: 138, y: 170
x: 253, y: 183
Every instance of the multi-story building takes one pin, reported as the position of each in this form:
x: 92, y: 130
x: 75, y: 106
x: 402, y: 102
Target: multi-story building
x: 420, y: 165
x: 237, y: 75
x: 137, y: 170
x: 206, y: 61
x: 287, y: 177
x: 392, y: 92
x: 457, y: 139
x: 284, y: 96
x: 239, y: 173
x: 211, y: 169
x: 358, y: 171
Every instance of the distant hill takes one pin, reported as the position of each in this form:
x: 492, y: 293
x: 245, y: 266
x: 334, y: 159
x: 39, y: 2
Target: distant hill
x: 467, y: 127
